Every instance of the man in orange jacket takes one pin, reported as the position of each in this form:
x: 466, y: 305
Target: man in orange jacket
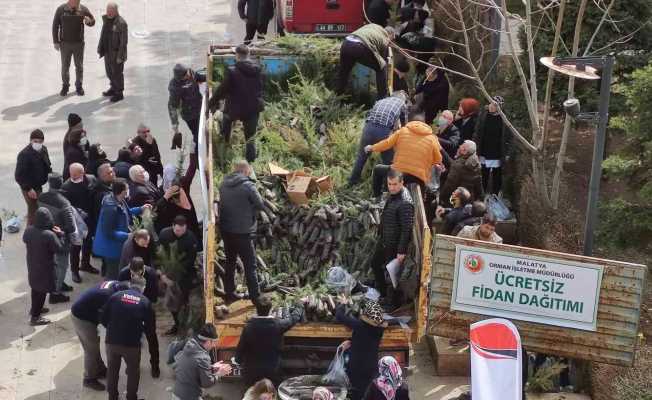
x: 416, y: 151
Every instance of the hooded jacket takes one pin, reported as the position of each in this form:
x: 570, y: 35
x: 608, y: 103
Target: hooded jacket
x: 239, y: 202
x: 32, y: 168
x: 60, y: 208
x: 416, y: 150
x: 184, y: 94
x: 192, y: 371
x: 465, y: 172
x: 242, y: 88
x: 113, y: 227
x: 41, y: 245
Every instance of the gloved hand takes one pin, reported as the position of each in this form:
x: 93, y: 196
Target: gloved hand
x: 177, y: 141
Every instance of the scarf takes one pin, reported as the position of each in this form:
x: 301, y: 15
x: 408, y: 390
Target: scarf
x: 390, y: 377
x: 321, y: 393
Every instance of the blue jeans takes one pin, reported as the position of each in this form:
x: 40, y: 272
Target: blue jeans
x: 371, y: 134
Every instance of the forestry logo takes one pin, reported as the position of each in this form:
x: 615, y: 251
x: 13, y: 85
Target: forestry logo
x: 473, y: 263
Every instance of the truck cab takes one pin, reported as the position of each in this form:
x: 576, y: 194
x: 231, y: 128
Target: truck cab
x: 324, y: 17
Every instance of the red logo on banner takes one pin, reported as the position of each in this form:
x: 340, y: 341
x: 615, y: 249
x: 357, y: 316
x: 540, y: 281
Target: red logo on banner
x: 494, y: 341
x: 473, y: 263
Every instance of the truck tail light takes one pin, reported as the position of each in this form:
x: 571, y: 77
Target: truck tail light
x: 289, y: 10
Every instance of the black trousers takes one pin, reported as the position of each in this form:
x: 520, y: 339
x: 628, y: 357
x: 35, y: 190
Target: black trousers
x: 379, y: 179
x: 352, y: 53
x: 38, y: 300
x: 240, y: 245
x: 85, y: 251
x: 250, y: 125
x: 496, y: 177
x: 115, y: 73
x: 193, y: 125
x: 114, y: 356
x: 251, y: 30
x: 152, y: 346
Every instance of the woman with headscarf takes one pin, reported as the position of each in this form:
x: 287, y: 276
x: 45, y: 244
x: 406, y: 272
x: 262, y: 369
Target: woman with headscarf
x: 365, y: 341
x: 96, y: 157
x: 175, y: 201
x: 389, y: 385
x: 321, y: 393
x: 467, y: 118
x: 75, y: 145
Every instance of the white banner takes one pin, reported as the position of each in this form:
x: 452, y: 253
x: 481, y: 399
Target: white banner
x: 496, y: 361
x: 528, y: 288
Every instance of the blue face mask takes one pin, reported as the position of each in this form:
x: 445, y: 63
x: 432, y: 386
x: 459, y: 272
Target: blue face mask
x: 442, y: 123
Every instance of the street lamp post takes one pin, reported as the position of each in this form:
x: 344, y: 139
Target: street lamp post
x: 584, y: 68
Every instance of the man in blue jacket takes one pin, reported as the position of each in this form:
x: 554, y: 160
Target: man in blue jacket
x: 127, y: 315
x: 113, y: 227
x: 85, y: 318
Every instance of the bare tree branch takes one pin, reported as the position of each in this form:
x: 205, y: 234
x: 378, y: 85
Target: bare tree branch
x: 597, y: 30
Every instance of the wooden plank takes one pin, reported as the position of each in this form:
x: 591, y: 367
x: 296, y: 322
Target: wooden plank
x: 613, y: 342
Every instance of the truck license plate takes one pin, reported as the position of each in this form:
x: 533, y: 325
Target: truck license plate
x: 330, y: 28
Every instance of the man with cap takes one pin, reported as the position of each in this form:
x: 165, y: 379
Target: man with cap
x: 78, y: 189
x: 242, y: 88
x: 68, y: 38
x: 113, y: 47
x: 32, y: 169
x: 85, y: 318
x: 367, y: 332
x: 186, y: 246
x: 126, y: 315
x: 186, y: 99
x: 62, y: 212
x: 150, y: 158
x: 193, y: 368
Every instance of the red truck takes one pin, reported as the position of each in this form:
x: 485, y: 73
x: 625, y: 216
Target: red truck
x: 326, y: 17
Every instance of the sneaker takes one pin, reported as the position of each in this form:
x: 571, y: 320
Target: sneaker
x: 108, y: 93
x: 66, y: 288
x: 76, y: 278
x: 94, y: 384
x: 117, y: 97
x: 90, y: 269
x: 38, y: 321
x: 56, y: 298
x: 172, y: 331
x: 156, y: 371
x: 80, y: 91
x: 64, y: 91
x: 45, y: 310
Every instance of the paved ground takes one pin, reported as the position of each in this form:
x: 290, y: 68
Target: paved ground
x: 46, y: 362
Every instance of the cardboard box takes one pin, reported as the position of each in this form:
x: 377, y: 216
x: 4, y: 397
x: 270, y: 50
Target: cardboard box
x: 301, y: 188
x: 276, y: 170
x: 325, y: 184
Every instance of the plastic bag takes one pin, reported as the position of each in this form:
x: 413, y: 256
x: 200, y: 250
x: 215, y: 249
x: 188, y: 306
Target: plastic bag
x: 340, y: 281
x: 497, y: 207
x: 81, y: 229
x: 13, y: 225
x: 336, y: 374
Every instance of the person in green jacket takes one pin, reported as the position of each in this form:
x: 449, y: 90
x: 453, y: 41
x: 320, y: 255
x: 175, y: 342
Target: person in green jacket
x: 368, y: 46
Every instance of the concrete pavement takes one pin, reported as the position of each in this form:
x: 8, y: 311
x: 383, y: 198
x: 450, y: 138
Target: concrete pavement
x: 46, y: 362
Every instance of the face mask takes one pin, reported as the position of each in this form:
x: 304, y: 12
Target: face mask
x: 146, y: 176
x: 37, y: 146
x: 442, y: 123
x: 78, y: 180
x: 83, y: 141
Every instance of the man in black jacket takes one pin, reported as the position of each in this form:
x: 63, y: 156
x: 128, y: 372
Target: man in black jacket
x: 32, y: 169
x: 461, y: 201
x: 184, y: 96
x: 78, y: 189
x: 395, y: 232
x: 137, y: 268
x: 68, y: 37
x: 256, y: 15
x: 85, y: 318
x: 242, y: 88
x: 259, y: 348
x: 126, y: 316
x: 62, y: 213
x: 150, y: 157
x: 378, y: 11
x: 113, y: 47
x: 239, y: 202
x: 186, y: 245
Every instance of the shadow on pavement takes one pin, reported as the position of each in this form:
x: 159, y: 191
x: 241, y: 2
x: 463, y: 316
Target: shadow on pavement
x: 86, y: 109
x: 35, y: 108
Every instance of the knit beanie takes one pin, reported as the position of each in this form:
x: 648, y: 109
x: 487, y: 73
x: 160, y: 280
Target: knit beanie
x: 73, y: 119
x: 36, y: 134
x: 469, y: 106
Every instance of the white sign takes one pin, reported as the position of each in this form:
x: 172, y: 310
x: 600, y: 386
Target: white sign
x: 528, y: 288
